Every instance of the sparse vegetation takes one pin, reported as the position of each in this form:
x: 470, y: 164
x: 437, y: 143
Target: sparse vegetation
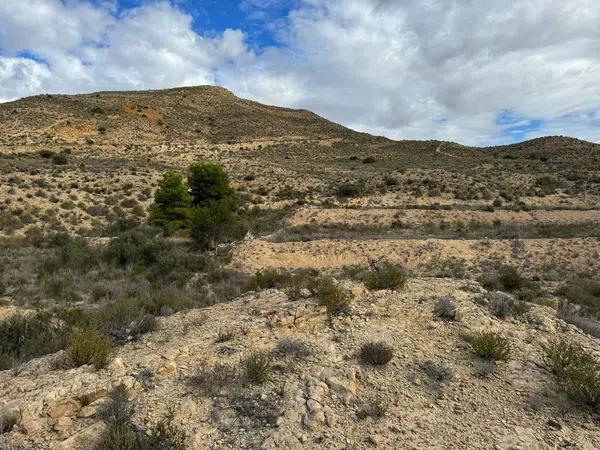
x: 257, y: 367
x: 376, y: 353
x: 577, y: 371
x: 444, y: 308
x: 375, y: 409
x: 490, y: 345
x: 89, y: 347
x: 335, y: 298
x: 386, y: 276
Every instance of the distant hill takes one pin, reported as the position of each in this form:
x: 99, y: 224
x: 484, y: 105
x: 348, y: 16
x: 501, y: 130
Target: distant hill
x: 208, y: 113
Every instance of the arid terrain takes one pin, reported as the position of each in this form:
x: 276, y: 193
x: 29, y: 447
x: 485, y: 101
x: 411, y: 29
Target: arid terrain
x: 500, y: 241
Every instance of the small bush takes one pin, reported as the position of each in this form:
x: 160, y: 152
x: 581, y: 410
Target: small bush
x: 585, y: 324
x: 336, y: 299
x: 505, y: 278
x: 211, y: 380
x: 60, y: 159
x: 444, y: 308
x: 292, y: 348
x: 577, y: 371
x: 47, y: 154
x: 257, y: 367
x: 376, y: 353
x: 374, y: 409
x: 584, y: 292
x: 25, y: 337
x: 270, y: 278
x: 89, y: 347
x: 349, y: 190
x: 437, y: 371
x: 490, y: 345
x: 386, y: 276
x: 503, y: 305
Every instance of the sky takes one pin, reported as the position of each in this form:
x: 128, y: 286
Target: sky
x: 479, y: 72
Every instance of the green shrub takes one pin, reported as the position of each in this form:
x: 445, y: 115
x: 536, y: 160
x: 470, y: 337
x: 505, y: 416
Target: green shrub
x: 208, y: 183
x: 143, y: 246
x: 23, y: 337
x: 336, y: 299
x: 60, y: 159
x: 376, y: 353
x: 386, y: 276
x: 89, y: 347
x: 505, y: 278
x: 269, y: 278
x: 257, y: 367
x: 349, y: 190
x: 171, y: 202
x: 490, y: 345
x: 214, y: 224
x: 577, y: 371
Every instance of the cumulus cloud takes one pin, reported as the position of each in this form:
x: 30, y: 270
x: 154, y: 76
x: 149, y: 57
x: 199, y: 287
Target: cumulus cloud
x: 444, y: 69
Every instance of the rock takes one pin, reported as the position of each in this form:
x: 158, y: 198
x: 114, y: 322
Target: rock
x: 65, y: 408
x: 117, y: 367
x: 305, y: 293
x: 92, y: 395
x: 91, y: 409
x: 459, y: 315
x: 520, y: 439
x: 185, y: 410
x: 168, y: 369
x: 84, y: 440
x: 343, y: 385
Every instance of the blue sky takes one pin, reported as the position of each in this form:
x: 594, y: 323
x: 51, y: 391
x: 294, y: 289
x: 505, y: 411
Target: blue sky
x: 478, y: 73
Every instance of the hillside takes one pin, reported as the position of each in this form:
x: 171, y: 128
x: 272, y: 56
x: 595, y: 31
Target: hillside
x: 203, y: 113
x: 383, y: 294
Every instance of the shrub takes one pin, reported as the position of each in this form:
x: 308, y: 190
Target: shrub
x: 349, y: 190
x: 444, y: 308
x: 208, y: 183
x: 376, y: 353
x: 214, y: 224
x: 60, y: 159
x: 374, y: 409
x: 269, y: 278
x: 89, y: 347
x: 171, y: 202
x: 490, y: 345
x: 437, y: 371
x: 585, y: 324
x: 211, y: 380
x: 142, y: 245
x: 336, y: 299
x: 504, y: 278
x: 125, y: 320
x: 292, y: 348
x: 122, y: 434
x: 584, y: 292
x: 26, y: 337
x: 45, y: 153
x: 577, y: 371
x: 257, y: 367
x: 386, y: 276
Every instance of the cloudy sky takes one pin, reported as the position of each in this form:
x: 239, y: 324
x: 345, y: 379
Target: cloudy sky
x: 473, y: 71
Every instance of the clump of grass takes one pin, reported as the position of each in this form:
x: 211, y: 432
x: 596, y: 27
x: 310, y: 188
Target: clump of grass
x: 269, y: 278
x: 444, y: 308
x: 225, y: 334
x: 386, y: 276
x: 123, y: 434
x: 437, y: 371
x: 376, y: 353
x: 257, y: 367
x: 375, y: 409
x: 585, y: 324
x: 211, y: 380
x: 577, y: 371
x: 504, y: 305
x: 336, y: 299
x: 291, y: 347
x: 89, y: 347
x: 23, y: 337
x: 490, y: 345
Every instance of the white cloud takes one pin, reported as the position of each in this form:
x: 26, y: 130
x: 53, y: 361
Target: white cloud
x: 440, y: 69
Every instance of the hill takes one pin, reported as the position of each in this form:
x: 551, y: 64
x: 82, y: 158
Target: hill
x: 387, y: 294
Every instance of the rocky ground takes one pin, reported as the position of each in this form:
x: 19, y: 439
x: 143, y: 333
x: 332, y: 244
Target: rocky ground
x: 315, y: 401
x: 321, y: 199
